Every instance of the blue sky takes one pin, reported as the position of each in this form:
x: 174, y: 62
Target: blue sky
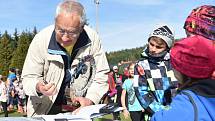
x: 123, y: 24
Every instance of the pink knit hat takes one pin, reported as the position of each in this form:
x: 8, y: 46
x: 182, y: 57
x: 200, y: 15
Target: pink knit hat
x: 201, y: 21
x: 194, y: 57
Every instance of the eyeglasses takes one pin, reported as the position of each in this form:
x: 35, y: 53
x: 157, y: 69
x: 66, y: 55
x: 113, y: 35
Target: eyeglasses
x: 71, y: 33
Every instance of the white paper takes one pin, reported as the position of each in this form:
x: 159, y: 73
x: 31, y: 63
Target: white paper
x: 64, y: 116
x: 86, y: 113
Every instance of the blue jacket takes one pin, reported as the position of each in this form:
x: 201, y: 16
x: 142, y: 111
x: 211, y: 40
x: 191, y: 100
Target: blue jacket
x: 182, y: 108
x: 154, y: 81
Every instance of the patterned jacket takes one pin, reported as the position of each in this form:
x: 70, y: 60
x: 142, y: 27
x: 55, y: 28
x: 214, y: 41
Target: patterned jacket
x: 154, y: 82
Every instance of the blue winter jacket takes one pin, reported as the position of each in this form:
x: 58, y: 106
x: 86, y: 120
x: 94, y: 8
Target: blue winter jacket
x: 154, y: 81
x: 182, y: 107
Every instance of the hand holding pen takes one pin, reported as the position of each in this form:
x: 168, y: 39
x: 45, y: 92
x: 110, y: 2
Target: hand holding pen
x: 45, y: 88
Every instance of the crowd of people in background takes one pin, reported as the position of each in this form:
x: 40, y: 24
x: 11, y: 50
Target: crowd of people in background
x: 12, y: 95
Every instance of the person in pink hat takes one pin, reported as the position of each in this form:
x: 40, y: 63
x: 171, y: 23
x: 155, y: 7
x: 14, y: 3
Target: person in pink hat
x: 201, y: 21
x: 193, y: 60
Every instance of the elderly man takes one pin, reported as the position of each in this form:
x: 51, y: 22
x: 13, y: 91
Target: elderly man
x: 54, y: 58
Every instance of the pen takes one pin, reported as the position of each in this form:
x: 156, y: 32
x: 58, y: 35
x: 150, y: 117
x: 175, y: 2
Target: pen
x: 45, y: 82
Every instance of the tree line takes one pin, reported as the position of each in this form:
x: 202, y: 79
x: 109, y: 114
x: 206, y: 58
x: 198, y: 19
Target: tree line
x: 13, y: 50
x: 124, y: 55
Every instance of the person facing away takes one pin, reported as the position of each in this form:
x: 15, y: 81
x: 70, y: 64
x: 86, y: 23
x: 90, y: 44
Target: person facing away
x: 193, y: 60
x: 112, y: 86
x: 11, y: 76
x: 200, y: 22
x: 53, y: 56
x: 134, y: 109
x: 10, y: 83
x: 154, y: 81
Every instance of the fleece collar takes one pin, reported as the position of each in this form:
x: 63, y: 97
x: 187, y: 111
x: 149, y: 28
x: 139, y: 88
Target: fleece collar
x: 163, y: 56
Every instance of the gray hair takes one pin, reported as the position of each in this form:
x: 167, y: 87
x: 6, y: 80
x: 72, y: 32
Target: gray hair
x: 72, y: 6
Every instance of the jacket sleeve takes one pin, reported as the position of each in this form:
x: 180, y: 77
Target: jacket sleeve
x: 140, y: 86
x: 180, y: 109
x: 33, y: 66
x: 99, y: 85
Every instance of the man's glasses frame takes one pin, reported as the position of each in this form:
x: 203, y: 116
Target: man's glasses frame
x: 71, y: 33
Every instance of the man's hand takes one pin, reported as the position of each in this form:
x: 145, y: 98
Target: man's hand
x: 83, y: 102
x: 46, y: 89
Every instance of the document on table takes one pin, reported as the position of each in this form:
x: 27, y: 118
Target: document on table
x: 86, y: 113
x: 64, y: 117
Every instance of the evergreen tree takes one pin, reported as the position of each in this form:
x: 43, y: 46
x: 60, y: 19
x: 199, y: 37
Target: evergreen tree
x: 16, y: 37
x: 34, y: 31
x: 21, y: 50
x: 6, y: 50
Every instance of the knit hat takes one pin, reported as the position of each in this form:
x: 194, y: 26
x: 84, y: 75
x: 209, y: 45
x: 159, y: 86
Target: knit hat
x: 164, y: 32
x: 201, y: 21
x: 194, y: 56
